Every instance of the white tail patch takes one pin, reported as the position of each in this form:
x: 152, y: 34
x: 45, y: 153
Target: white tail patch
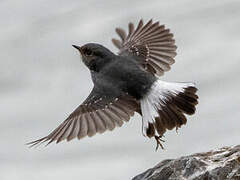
x: 156, y: 98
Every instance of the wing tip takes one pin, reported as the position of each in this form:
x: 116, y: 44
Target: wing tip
x: 38, y: 142
x: 116, y: 43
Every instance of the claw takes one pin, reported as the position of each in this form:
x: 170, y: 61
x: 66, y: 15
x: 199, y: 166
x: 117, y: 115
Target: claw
x: 159, y: 140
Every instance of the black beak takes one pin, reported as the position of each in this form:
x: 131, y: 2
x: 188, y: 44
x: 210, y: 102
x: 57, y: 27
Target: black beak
x: 77, y: 47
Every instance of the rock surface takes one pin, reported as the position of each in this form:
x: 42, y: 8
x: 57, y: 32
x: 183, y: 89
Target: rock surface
x: 221, y: 164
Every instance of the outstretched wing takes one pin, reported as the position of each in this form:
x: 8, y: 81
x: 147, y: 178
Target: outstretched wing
x: 101, y: 111
x: 151, y: 44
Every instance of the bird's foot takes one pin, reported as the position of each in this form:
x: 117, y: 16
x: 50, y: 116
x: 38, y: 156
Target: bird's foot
x: 159, y: 140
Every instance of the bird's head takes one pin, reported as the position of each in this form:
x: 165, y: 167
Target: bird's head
x: 95, y: 56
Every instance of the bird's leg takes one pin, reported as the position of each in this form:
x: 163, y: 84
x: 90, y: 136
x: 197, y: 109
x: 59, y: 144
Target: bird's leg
x: 158, y: 140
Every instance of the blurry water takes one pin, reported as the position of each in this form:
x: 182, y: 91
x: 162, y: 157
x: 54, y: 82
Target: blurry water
x: 42, y: 80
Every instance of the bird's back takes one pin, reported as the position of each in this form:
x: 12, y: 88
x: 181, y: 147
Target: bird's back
x: 125, y: 73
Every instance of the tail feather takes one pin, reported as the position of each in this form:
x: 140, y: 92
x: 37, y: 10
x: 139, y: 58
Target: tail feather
x: 160, y: 127
x: 171, y: 118
x: 165, y: 106
x: 151, y: 130
x: 180, y: 117
x: 184, y: 105
x: 188, y: 98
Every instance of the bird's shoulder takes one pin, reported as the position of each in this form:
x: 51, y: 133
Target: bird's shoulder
x: 122, y: 64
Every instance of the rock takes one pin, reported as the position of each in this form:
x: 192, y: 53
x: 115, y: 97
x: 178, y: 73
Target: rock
x: 221, y: 164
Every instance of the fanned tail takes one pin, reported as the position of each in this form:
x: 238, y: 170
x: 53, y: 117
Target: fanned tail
x: 165, y: 106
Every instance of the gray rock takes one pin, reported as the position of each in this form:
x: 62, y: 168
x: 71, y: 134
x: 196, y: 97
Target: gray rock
x: 221, y: 164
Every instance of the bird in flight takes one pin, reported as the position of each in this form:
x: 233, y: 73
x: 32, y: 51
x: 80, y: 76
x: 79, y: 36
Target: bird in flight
x: 127, y: 83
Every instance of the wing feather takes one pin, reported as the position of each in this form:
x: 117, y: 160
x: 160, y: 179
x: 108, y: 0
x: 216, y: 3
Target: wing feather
x: 152, y: 42
x: 97, y: 114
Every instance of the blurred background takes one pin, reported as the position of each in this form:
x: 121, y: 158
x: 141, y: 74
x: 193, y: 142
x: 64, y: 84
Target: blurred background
x: 43, y: 80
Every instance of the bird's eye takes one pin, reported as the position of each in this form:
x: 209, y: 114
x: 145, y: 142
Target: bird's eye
x: 88, y: 52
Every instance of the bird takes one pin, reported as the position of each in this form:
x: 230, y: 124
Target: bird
x: 127, y: 83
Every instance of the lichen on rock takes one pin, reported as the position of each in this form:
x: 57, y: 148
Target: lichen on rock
x: 221, y: 164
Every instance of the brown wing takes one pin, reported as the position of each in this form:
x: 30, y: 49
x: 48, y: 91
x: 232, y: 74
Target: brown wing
x: 151, y: 44
x: 98, y: 113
